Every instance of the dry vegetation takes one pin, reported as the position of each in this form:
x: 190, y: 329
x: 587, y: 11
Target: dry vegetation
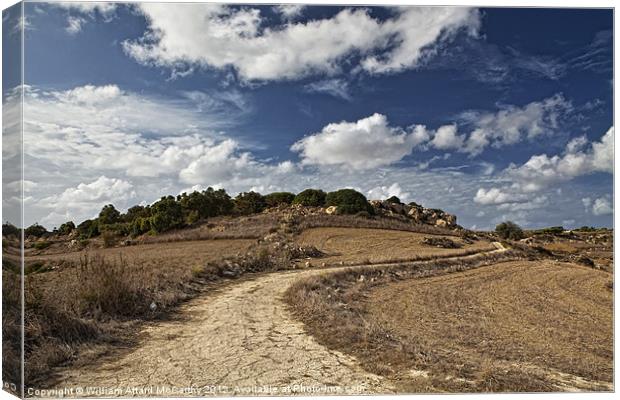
x: 507, y: 326
x: 350, y: 246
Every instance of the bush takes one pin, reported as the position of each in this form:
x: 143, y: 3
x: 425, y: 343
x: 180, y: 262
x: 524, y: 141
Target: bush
x: 9, y: 229
x: 348, y: 201
x: 278, y: 198
x: 509, y: 230
x: 249, y: 203
x: 35, y: 230
x: 553, y: 230
x: 109, y: 215
x: 66, y: 228
x: 88, y: 228
x: 42, y: 245
x: 394, y: 200
x: 205, y: 204
x: 311, y: 198
x: 167, y: 214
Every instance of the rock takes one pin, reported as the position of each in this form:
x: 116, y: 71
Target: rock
x: 331, y: 210
x: 441, y: 223
x: 308, y: 264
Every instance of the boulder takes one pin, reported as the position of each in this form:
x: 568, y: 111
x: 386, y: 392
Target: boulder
x: 331, y: 210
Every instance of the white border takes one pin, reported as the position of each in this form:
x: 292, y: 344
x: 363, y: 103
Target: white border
x: 479, y: 3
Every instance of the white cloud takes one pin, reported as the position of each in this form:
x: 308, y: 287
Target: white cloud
x: 218, y: 36
x: 289, y: 11
x: 513, y: 124
x: 89, y: 10
x: 333, y: 87
x: 384, y: 192
x: 74, y: 25
x: 367, y: 143
x: 602, y: 206
x: 446, y: 138
x: 78, y: 203
x: 492, y: 196
x: 542, y: 170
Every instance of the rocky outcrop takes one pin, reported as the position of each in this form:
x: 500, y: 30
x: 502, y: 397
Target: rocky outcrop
x: 415, y: 212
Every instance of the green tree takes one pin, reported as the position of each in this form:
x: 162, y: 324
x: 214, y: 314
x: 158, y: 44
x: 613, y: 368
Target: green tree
x: 66, y: 228
x: 393, y: 200
x: 277, y: 198
x: 348, y: 201
x: 166, y: 214
x: 109, y: 215
x: 35, y: 230
x: 249, y: 203
x: 89, y: 228
x: 509, y: 230
x: 311, y: 198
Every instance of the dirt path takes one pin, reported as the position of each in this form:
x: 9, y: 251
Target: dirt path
x: 240, y: 340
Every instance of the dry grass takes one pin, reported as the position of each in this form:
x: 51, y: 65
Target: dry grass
x: 98, y: 297
x: 351, y: 246
x: 507, y: 327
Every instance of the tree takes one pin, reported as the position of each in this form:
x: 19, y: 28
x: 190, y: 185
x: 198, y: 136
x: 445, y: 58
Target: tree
x: 89, y: 228
x: 393, y: 200
x: 310, y: 198
x: 348, y: 201
x: 509, y: 230
x: 35, y: 230
x: 136, y: 212
x: 249, y: 203
x: 9, y: 229
x: 278, y: 198
x: 109, y: 215
x: 166, y: 214
x: 66, y: 228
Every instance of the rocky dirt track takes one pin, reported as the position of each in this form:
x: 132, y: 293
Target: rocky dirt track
x: 239, y: 340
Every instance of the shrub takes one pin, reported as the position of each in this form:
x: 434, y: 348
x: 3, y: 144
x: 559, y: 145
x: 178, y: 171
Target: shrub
x: 553, y: 230
x: 42, y: 245
x: 35, y: 230
x: 394, y: 200
x: 66, y: 228
x: 509, y: 230
x: 136, y: 212
x: 348, y: 201
x: 109, y: 238
x: 167, y: 214
x: 88, y: 228
x: 249, y: 203
x: 109, y: 215
x: 9, y: 229
x: 278, y: 198
x: 311, y: 198
x: 205, y: 204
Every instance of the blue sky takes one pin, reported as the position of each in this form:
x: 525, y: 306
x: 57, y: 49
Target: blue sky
x: 491, y: 114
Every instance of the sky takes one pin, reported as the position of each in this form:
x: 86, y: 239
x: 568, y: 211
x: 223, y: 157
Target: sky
x: 490, y: 114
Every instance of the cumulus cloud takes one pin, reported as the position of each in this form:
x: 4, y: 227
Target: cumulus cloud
x: 367, y: 143
x: 602, y: 206
x: 513, y: 124
x: 218, y: 36
x: 289, y: 11
x: 78, y: 203
x: 384, y: 192
x: 543, y: 172
x: 446, y: 138
x: 492, y: 196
